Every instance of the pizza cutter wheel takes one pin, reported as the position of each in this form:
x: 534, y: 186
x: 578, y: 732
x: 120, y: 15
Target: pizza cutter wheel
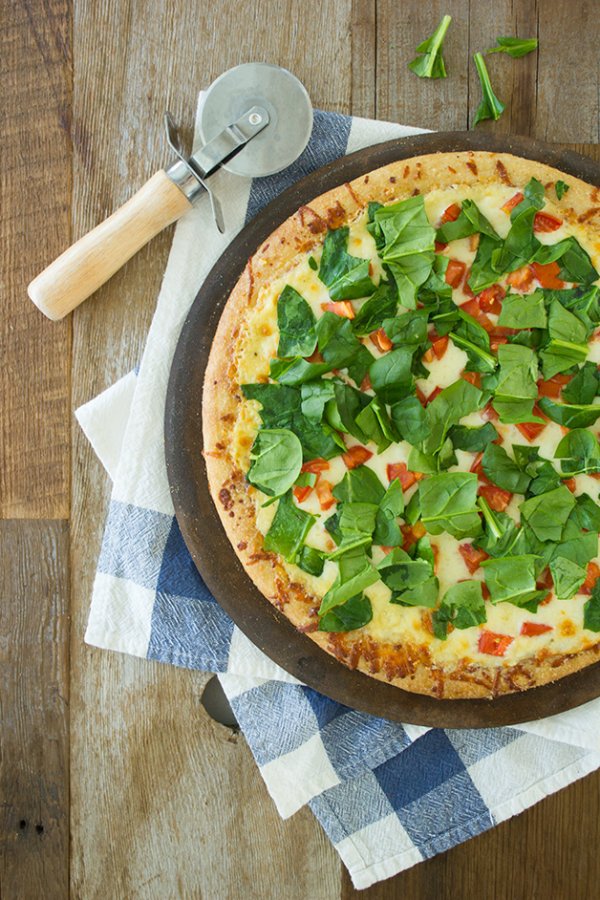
x: 255, y: 120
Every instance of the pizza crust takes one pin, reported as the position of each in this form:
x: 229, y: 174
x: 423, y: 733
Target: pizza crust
x: 406, y: 666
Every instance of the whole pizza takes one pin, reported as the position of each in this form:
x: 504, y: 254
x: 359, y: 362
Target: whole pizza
x: 400, y: 413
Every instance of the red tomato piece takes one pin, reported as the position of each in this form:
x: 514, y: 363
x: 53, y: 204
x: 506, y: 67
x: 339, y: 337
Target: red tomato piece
x: 315, y: 357
x: 439, y: 347
x: 356, y: 456
x: 485, y: 591
x: 433, y: 395
x: 514, y: 201
x: 365, y: 384
x: 531, y: 629
x: 381, y: 340
x: 342, y: 308
x: 544, y: 223
x: 315, y: 466
x: 429, y: 355
x: 326, y: 498
x: 400, y: 470
x: 531, y: 430
x: 477, y: 467
x: 544, y: 580
x: 472, y: 308
x: 521, y: 278
x: 421, y: 396
x: 547, y: 275
x: 553, y: 386
x: 495, y: 497
x: 473, y: 378
x: 494, y: 644
x: 412, y: 534
x: 570, y: 483
x: 497, y: 339
x: 439, y: 246
x: 472, y: 556
x: 451, y: 213
x: 490, y: 300
x: 455, y: 272
x: 489, y: 413
x: 593, y: 573
x: 302, y: 492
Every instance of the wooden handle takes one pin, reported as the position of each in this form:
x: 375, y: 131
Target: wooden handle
x: 85, y: 266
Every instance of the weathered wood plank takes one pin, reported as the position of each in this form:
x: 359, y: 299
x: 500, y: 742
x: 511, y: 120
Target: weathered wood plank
x: 35, y: 69
x: 34, y: 699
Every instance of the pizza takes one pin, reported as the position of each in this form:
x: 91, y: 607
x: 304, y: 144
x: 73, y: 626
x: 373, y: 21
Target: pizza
x: 400, y: 423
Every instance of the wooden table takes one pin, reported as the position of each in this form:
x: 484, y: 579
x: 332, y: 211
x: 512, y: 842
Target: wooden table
x: 115, y: 782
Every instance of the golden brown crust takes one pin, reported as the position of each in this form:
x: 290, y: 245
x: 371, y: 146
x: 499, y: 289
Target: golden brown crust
x: 407, y: 666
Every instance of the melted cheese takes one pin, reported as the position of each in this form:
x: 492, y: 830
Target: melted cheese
x: 392, y: 622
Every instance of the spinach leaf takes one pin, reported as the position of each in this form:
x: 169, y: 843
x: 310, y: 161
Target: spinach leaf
x: 315, y: 394
x: 387, y: 532
x: 500, y: 531
x: 410, y: 420
x: 356, y: 525
x: 449, y: 503
x: 311, y: 561
x: 560, y: 188
x: 337, y: 342
x: 504, y: 471
x: 470, y: 221
x: 278, y: 402
x: 436, y: 290
x: 591, y: 610
x: 296, y: 371
x: 583, y: 387
x: 399, y: 572
x: 412, y: 513
x: 523, y: 311
x: 349, y: 403
x: 482, y: 274
x: 517, y: 389
x: 546, y: 514
x: 513, y: 580
x: 289, y: 529
x: 520, y: 244
x: 471, y: 337
x: 515, y: 47
x: 570, y: 415
x: 407, y: 245
x: 490, y: 107
x: 575, y: 263
x: 579, y: 453
x: 430, y: 62
x: 372, y: 314
x: 567, y: 576
x: 356, y: 573
x: 452, y: 403
x: 568, y: 341
x: 462, y: 606
x: 546, y: 479
x: 579, y: 547
x: 360, y: 485
x: 296, y: 323
x: 586, y: 513
x: 391, y: 375
x: 276, y: 460
x: 346, y: 277
x: 407, y: 330
x: 425, y: 594
x: 473, y: 439
x: 375, y: 424
x: 354, y: 613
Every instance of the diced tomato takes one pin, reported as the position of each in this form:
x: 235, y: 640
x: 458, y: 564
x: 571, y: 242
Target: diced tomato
x: 433, y: 395
x: 497, y: 339
x: 302, y: 492
x: 473, y: 378
x: 439, y: 246
x: 571, y: 484
x: 521, y: 278
x: 429, y: 355
x: 490, y: 300
x: 547, y: 275
x: 455, y: 272
x: 315, y: 358
x: 412, y: 534
x: 489, y: 413
x: 401, y: 471
x: 356, y: 456
x: 421, y: 396
x: 436, y: 555
x: 466, y: 289
x: 496, y: 498
x: 365, y: 384
x: 544, y: 579
x: 326, y: 498
x: 553, y: 386
x: 514, y: 201
x: 386, y: 549
x: 547, y: 599
x: 315, y: 466
x: 477, y: 467
x: 342, y: 308
x: 593, y: 573
x: 532, y: 430
x: 472, y: 556
x: 485, y: 591
x: 381, y: 340
x: 494, y: 644
x: 544, y: 223
x: 472, y: 308
x: 451, y: 213
x: 440, y: 346
x: 531, y: 629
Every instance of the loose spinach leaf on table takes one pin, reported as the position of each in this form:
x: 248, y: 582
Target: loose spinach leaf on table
x: 513, y: 580
x: 523, y: 311
x: 430, y: 62
x: 504, y: 471
x: 546, y: 514
x: 410, y: 420
x: 472, y: 438
x: 276, y: 460
x: 579, y: 453
x: 374, y: 311
x: 391, y: 375
x: 570, y: 415
x: 449, y: 503
x: 354, y: 613
x: 583, y: 387
x: 296, y: 323
x: 490, y: 107
x: 289, y: 529
x: 568, y: 341
x: 462, y: 606
x: 516, y: 390
x: 346, y: 277
x: 591, y: 610
x: 470, y: 221
x: 515, y: 47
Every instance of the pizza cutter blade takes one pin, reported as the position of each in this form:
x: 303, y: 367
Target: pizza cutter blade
x: 256, y: 119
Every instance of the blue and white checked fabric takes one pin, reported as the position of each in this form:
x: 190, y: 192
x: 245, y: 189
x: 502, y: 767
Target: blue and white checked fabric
x: 388, y: 795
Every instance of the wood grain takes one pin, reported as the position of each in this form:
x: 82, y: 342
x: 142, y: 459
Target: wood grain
x: 34, y: 703
x: 35, y: 70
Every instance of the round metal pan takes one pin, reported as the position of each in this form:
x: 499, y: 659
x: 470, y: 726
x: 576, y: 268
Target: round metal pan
x: 197, y: 516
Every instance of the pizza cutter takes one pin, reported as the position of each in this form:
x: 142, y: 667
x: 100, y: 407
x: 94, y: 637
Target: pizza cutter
x: 256, y: 119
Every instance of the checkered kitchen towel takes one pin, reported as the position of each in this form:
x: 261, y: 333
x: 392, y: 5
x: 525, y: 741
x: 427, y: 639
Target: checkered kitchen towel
x: 388, y: 795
